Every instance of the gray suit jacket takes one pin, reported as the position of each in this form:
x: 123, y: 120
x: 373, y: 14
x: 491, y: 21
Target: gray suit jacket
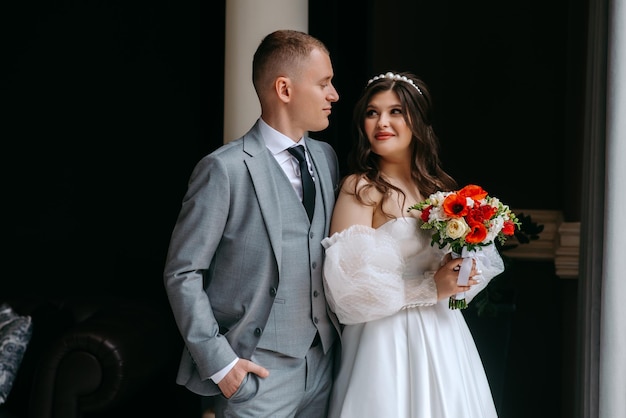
x: 225, y: 253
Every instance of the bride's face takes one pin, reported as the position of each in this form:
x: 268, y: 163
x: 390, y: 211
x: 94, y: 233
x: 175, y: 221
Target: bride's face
x: 386, y: 127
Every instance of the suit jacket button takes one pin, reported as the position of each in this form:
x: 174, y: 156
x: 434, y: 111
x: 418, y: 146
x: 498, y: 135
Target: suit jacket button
x: 273, y: 291
x: 258, y: 332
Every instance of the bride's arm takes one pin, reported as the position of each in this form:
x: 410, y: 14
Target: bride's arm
x: 363, y: 276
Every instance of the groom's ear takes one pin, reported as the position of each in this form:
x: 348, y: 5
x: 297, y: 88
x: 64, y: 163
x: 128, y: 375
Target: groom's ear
x: 282, y: 87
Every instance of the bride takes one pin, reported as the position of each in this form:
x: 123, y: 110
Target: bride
x: 405, y: 354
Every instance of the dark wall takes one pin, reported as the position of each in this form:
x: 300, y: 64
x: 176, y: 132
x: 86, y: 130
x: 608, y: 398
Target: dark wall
x: 109, y: 106
x: 506, y: 78
x: 351, y: 53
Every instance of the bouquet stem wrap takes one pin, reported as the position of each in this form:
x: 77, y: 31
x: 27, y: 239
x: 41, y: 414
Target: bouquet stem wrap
x: 458, y: 301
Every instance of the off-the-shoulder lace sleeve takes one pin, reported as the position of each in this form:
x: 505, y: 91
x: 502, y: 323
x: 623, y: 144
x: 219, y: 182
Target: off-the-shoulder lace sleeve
x: 363, y: 276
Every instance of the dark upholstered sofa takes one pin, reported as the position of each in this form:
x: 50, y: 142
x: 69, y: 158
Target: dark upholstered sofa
x: 89, y: 358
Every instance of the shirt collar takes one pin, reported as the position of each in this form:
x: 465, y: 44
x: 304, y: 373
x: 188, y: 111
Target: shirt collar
x: 275, y: 141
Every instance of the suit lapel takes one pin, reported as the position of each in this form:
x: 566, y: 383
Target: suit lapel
x: 257, y: 160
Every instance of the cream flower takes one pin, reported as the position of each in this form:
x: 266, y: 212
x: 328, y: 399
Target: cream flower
x: 457, y: 228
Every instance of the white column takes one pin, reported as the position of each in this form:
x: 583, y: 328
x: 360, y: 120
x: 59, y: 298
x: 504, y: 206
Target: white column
x: 247, y: 22
x: 613, y: 330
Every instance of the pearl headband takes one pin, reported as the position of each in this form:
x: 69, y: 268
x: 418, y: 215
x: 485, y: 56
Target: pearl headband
x: 397, y: 77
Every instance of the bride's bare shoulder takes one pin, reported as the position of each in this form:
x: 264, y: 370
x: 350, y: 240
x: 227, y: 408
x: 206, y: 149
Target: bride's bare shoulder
x: 354, y: 184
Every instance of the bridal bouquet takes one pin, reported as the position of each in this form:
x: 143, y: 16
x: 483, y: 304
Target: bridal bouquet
x: 463, y: 221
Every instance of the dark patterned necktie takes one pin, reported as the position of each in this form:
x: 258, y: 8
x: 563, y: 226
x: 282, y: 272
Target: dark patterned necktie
x: 308, y: 187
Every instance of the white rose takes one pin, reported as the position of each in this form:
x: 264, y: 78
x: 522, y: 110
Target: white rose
x: 457, y: 228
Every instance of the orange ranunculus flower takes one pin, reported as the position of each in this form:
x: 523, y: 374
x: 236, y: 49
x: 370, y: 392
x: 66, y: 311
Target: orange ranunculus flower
x: 508, y: 228
x: 455, y: 205
x: 473, y: 191
x: 478, y: 232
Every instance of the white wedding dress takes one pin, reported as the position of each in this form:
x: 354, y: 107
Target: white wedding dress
x: 404, y: 355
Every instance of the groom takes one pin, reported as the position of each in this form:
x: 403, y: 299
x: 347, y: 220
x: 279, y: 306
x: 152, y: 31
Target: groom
x: 244, y: 268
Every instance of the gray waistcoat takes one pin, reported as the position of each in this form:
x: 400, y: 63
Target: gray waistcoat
x: 299, y: 309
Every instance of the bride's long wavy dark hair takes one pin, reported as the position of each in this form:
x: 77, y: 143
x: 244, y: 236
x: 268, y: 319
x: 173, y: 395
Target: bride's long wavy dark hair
x: 426, y: 168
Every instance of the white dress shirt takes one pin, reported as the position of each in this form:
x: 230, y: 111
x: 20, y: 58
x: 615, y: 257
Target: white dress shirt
x: 277, y: 144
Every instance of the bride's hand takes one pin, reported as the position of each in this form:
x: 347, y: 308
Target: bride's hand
x: 447, y: 276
